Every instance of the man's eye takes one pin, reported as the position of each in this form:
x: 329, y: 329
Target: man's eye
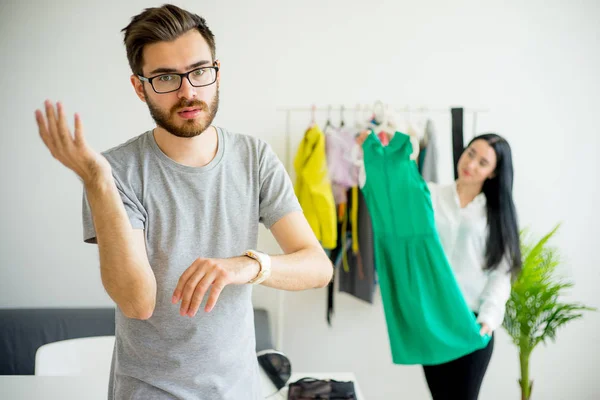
x: 166, y: 78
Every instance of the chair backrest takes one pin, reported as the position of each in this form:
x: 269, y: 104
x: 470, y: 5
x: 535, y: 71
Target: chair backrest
x: 90, y: 356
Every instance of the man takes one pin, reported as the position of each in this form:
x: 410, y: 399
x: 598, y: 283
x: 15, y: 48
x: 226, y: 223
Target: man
x: 175, y: 214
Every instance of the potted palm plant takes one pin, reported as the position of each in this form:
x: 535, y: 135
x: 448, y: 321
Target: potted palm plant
x: 535, y: 311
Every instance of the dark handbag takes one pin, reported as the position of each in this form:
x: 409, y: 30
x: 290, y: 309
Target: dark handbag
x: 310, y: 388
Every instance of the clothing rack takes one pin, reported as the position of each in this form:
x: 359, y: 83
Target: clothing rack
x: 361, y: 109
x: 350, y: 109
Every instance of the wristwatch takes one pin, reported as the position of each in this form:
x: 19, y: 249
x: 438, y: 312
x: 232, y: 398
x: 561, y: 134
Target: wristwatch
x: 265, y: 266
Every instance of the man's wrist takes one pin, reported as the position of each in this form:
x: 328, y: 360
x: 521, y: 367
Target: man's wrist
x: 99, y: 183
x: 264, y: 261
x: 252, y: 266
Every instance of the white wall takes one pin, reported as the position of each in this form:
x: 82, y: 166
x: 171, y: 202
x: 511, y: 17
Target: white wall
x: 533, y: 64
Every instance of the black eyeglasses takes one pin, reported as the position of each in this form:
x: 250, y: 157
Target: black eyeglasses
x: 199, y: 77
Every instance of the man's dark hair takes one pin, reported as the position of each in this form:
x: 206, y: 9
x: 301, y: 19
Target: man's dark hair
x: 161, y: 24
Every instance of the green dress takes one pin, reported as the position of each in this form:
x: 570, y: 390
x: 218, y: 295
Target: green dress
x: 427, y: 318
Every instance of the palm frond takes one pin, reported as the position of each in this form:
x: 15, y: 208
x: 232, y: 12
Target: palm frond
x: 534, y: 312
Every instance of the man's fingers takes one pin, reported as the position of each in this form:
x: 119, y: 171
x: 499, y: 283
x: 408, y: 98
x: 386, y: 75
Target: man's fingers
x: 178, y: 292
x: 189, y: 289
x: 63, y: 128
x: 52, y: 124
x: 203, y: 275
x: 43, y: 129
x: 79, y: 138
x: 215, y: 291
x: 200, y: 291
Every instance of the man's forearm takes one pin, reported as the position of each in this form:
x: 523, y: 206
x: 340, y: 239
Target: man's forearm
x: 305, y: 269
x: 126, y: 274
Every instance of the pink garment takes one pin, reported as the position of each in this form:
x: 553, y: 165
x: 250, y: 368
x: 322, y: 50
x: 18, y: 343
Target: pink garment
x: 383, y: 138
x: 342, y: 171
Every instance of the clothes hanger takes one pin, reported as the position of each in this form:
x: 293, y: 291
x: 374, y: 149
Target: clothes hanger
x: 378, y: 113
x: 389, y: 126
x: 383, y: 125
x: 414, y: 139
x: 410, y: 130
x: 358, y: 123
x: 334, y: 132
x: 368, y: 116
x: 375, y: 117
x: 313, y: 122
x: 425, y: 136
x: 386, y: 129
x: 328, y: 123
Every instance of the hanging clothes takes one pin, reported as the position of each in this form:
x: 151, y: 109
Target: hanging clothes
x: 422, y: 151
x: 427, y: 318
x: 421, y: 159
x: 334, y: 256
x: 359, y: 280
x: 313, y: 187
x: 458, y: 144
x: 341, y: 260
x: 343, y: 175
x: 414, y: 140
x: 429, y: 160
x: 342, y: 171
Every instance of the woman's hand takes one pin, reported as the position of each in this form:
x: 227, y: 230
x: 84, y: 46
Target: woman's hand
x: 485, y: 330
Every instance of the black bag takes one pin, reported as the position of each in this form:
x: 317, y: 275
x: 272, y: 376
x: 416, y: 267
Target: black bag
x: 310, y: 388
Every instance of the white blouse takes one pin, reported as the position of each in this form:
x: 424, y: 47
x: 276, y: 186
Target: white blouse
x: 463, y: 233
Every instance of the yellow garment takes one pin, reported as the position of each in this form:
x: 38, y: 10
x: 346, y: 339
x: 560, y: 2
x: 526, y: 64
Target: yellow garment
x: 354, y: 219
x: 344, y: 253
x: 313, y: 187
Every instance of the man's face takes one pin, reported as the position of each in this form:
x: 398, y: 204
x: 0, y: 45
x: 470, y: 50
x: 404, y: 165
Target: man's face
x: 189, y: 111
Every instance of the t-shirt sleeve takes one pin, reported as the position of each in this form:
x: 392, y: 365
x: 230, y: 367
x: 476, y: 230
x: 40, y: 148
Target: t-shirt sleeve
x: 277, y: 197
x: 133, y: 207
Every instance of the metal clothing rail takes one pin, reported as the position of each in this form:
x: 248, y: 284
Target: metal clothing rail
x: 361, y: 109
x: 397, y: 109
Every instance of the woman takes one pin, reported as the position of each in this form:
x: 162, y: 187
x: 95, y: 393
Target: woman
x: 477, y: 224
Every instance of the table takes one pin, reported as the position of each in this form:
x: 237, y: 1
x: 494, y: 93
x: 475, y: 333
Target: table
x: 31, y: 387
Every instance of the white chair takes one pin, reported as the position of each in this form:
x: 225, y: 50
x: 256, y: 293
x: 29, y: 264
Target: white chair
x: 90, y: 356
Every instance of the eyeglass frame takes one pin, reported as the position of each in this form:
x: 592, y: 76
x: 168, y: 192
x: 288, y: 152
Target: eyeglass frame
x: 184, y: 75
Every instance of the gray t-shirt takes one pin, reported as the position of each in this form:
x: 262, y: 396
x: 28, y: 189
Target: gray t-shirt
x: 190, y: 212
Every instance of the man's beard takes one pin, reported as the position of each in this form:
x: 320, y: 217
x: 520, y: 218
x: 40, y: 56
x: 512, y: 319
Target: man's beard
x: 189, y: 128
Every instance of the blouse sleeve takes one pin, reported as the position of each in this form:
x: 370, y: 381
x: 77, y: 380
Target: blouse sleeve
x: 495, y: 295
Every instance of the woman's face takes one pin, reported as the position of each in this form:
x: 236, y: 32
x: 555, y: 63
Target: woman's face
x: 477, y: 163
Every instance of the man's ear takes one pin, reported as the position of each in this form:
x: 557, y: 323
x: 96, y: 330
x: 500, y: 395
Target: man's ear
x: 218, y: 64
x: 138, y: 86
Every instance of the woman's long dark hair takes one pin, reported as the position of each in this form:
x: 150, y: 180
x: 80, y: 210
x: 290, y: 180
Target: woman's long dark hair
x: 503, y: 238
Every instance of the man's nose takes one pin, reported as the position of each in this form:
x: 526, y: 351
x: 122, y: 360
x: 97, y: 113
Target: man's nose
x: 186, y: 90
